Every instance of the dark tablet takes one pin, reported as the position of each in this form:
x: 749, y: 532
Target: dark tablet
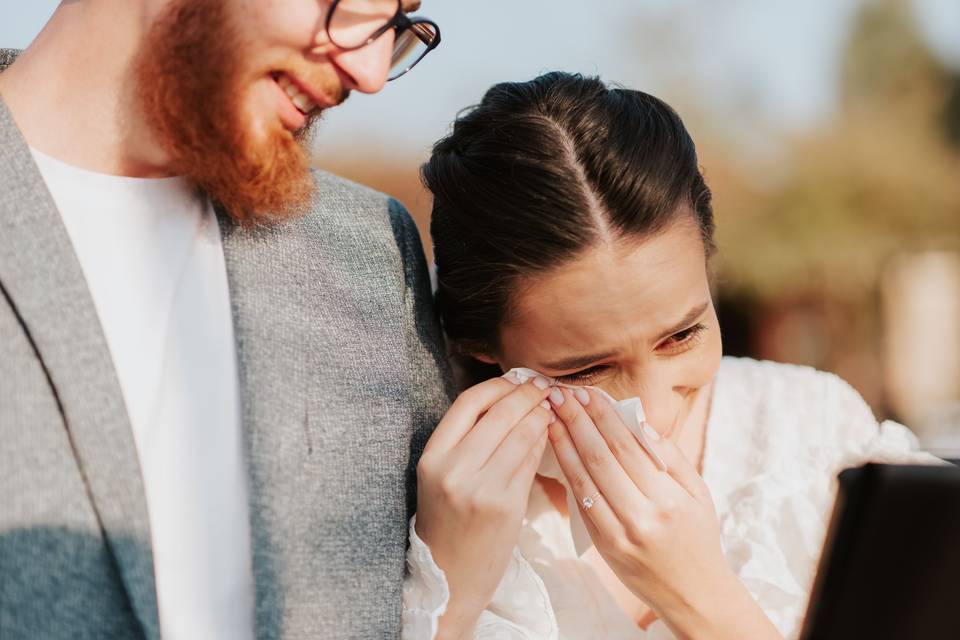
x: 891, y: 563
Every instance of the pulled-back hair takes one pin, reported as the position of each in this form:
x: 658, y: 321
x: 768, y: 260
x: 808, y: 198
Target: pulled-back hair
x: 538, y: 173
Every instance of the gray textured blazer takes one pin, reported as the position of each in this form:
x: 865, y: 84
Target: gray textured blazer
x: 342, y: 380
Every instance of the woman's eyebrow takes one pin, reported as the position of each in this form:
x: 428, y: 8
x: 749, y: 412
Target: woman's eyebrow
x: 578, y: 362
x: 687, y: 320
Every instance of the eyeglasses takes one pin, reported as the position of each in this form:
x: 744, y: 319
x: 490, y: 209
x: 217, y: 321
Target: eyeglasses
x: 353, y: 24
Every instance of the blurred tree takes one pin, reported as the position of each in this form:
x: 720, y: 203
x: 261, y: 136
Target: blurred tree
x: 882, y: 179
x: 887, y: 61
x: 951, y: 112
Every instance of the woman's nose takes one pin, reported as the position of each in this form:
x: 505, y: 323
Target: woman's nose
x: 660, y: 397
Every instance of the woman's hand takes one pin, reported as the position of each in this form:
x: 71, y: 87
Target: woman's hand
x: 657, y: 531
x: 474, y: 480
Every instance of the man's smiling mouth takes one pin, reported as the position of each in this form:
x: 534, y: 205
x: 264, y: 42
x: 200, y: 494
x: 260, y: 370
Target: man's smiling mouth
x: 300, y: 100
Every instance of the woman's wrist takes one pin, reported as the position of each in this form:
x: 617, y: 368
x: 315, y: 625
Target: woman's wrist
x: 724, y: 611
x: 457, y: 622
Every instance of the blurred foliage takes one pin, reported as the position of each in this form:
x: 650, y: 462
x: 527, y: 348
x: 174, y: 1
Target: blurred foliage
x: 951, y: 113
x: 882, y: 178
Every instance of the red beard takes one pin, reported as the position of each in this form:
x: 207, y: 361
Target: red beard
x: 188, y: 82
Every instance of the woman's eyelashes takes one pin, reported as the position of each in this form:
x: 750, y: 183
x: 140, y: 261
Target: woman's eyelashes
x: 678, y: 343
x: 682, y: 341
x: 583, y: 377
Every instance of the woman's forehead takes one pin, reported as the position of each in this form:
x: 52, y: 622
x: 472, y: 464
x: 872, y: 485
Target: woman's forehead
x: 618, y: 293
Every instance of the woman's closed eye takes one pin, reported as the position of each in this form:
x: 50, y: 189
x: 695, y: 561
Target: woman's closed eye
x: 678, y: 343
x: 682, y: 341
x: 583, y: 377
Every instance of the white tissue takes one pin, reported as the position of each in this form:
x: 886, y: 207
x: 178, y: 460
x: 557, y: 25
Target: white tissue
x: 631, y: 412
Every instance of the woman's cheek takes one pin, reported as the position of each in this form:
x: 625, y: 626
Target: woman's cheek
x: 672, y: 386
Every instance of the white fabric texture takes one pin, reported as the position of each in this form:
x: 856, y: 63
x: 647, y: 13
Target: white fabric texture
x: 425, y: 590
x: 151, y: 253
x: 777, y: 435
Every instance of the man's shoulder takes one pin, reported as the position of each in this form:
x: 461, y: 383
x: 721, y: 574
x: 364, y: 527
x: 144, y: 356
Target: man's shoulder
x: 343, y: 204
x: 357, y: 215
x: 337, y: 195
x: 334, y: 189
x: 350, y: 229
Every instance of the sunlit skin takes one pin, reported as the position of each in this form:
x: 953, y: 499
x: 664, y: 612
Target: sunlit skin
x: 84, y: 113
x: 644, y: 306
x: 638, y: 315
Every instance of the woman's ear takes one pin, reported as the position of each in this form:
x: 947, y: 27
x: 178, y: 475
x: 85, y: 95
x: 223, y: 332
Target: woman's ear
x: 484, y: 358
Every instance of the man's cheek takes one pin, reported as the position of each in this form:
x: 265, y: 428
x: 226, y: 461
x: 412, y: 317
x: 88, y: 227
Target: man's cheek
x: 257, y: 110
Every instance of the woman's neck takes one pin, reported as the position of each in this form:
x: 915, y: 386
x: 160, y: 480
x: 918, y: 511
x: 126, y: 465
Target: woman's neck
x: 690, y: 436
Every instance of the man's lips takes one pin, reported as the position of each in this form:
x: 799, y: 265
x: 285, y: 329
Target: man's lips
x: 290, y: 116
x: 304, y: 97
x: 296, y: 101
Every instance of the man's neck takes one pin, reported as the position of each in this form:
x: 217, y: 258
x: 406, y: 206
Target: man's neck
x: 72, y: 91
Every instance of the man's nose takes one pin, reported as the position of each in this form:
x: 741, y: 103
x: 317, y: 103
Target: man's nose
x: 366, y: 69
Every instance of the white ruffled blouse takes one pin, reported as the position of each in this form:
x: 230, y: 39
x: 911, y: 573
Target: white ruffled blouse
x: 777, y: 436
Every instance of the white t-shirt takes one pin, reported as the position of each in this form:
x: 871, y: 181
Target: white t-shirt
x: 151, y: 252
x: 777, y: 436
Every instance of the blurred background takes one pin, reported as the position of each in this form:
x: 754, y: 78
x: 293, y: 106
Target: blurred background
x: 829, y: 131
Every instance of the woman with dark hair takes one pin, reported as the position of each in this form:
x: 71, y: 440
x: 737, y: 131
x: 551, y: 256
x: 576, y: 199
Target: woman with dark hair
x: 572, y: 232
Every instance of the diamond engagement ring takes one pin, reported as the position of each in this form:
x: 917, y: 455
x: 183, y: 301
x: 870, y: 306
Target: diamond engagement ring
x: 589, y: 501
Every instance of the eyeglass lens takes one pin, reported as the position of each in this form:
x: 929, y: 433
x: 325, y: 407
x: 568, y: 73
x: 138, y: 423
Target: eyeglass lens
x: 354, y: 22
x: 410, y: 46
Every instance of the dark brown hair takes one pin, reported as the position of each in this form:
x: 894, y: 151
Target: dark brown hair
x: 539, y: 172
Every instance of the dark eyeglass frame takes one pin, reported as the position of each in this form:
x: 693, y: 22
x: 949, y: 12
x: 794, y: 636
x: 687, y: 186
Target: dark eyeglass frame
x: 400, y: 22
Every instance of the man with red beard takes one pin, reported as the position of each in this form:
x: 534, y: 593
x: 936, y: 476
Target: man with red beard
x: 217, y: 368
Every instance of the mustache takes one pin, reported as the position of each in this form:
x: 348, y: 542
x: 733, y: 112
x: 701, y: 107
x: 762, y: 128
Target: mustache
x: 342, y: 95
x: 306, y: 136
x: 318, y: 82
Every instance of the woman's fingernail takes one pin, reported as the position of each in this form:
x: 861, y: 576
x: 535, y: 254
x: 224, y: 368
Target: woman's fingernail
x: 545, y: 405
x: 651, y: 432
x: 556, y: 396
x: 553, y: 417
x: 541, y: 383
x: 582, y: 396
x: 511, y: 376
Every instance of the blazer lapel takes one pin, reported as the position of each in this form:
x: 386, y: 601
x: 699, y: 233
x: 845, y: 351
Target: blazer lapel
x: 273, y: 396
x: 41, y: 276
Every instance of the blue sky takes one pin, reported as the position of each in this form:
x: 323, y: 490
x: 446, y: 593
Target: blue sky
x: 772, y: 60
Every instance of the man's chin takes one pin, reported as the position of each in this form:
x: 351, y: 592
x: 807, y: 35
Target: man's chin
x: 258, y: 178
x: 307, y: 134
x: 260, y: 187
x: 259, y: 174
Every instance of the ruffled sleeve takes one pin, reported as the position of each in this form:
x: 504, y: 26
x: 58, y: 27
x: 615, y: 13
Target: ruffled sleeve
x: 425, y: 591
x: 519, y: 610
x: 861, y: 439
